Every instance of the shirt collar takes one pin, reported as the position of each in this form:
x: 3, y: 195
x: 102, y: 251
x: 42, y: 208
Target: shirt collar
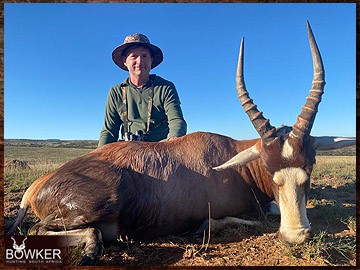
x: 127, y: 82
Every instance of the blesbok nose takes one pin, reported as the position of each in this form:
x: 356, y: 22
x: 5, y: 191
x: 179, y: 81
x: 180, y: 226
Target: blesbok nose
x: 294, y: 237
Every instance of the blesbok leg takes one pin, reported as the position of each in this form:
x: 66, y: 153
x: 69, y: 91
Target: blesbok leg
x: 89, y: 238
x: 217, y: 225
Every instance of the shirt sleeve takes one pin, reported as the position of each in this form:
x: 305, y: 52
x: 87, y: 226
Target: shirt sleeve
x: 176, y: 121
x: 112, y: 123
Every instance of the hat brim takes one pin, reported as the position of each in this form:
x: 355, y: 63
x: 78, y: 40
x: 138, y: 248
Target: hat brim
x: 117, y: 54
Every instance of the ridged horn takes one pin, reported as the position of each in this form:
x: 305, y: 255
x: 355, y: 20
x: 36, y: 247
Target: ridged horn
x: 261, y: 124
x: 306, y: 118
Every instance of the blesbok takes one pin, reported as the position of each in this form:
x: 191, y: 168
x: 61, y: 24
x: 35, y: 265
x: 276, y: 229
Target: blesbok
x: 144, y: 190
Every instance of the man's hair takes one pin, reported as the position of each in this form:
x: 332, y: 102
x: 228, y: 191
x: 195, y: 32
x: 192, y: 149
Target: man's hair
x: 126, y: 51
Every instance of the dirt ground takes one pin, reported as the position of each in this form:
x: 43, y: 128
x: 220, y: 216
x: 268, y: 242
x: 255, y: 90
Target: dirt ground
x: 236, y: 246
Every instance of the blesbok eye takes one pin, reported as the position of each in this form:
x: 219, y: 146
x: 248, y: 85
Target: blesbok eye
x: 301, y: 177
x: 278, y: 179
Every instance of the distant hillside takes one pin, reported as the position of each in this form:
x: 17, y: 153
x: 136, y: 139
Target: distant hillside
x: 53, y: 143
x: 92, y: 144
x: 347, y: 151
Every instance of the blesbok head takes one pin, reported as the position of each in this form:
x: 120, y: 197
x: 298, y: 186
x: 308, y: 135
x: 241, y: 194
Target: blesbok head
x: 288, y: 153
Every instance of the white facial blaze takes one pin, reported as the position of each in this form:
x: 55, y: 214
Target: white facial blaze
x: 294, y: 226
x: 288, y: 150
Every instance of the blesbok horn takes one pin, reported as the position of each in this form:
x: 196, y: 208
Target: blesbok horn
x: 261, y: 124
x: 306, y: 118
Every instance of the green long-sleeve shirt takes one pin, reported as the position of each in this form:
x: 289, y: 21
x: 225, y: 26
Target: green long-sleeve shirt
x: 166, y: 115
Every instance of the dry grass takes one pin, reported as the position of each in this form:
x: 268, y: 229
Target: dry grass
x: 37, y: 156
x: 334, y: 170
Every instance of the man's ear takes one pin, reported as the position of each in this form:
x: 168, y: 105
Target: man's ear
x: 123, y: 59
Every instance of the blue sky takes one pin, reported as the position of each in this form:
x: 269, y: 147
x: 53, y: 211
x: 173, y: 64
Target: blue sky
x: 58, y: 66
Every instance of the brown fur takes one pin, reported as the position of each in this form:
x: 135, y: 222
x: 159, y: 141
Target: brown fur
x: 149, y: 189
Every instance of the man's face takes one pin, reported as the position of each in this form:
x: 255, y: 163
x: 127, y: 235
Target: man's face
x: 138, y: 61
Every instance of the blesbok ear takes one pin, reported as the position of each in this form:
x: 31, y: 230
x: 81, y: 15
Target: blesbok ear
x: 240, y: 159
x: 329, y: 143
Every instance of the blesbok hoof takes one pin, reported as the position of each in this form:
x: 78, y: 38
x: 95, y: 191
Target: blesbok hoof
x: 204, y: 229
x: 272, y: 208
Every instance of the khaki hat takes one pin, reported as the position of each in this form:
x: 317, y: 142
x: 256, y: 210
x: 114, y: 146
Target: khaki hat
x: 140, y: 40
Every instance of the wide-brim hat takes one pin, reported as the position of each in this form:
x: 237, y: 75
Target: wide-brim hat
x: 137, y: 39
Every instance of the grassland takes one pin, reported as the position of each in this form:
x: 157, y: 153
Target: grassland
x: 331, y: 211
